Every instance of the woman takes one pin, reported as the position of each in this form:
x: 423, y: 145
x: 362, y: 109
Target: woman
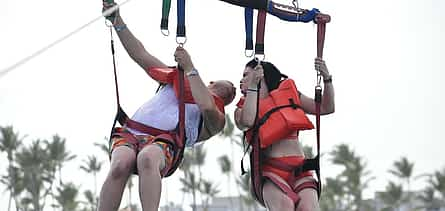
x: 281, y: 189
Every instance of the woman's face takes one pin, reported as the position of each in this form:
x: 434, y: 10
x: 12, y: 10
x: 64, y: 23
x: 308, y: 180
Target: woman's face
x: 246, y: 78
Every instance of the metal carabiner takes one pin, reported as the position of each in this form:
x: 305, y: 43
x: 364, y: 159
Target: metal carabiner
x: 165, y: 32
x: 258, y: 60
x: 180, y: 41
x: 297, y: 8
x: 319, y: 78
x: 296, y: 5
x: 248, y: 53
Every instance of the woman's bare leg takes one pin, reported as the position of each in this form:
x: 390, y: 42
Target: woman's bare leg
x: 275, y: 199
x: 308, y: 197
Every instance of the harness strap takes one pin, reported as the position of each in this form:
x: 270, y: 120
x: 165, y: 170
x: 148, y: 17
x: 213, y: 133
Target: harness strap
x: 292, y: 193
x: 116, y: 88
x: 260, y: 28
x: 321, y: 20
x: 180, y: 26
x: 124, y: 120
x: 166, y: 4
x: 258, y: 4
x: 308, y: 184
x: 308, y: 165
x: 180, y: 30
x: 256, y: 156
x: 284, y: 187
x: 283, y: 12
x: 248, y: 25
x: 181, y: 107
x: 292, y: 14
x: 273, y: 110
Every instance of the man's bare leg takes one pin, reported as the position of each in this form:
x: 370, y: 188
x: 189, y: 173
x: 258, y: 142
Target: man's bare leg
x: 122, y: 164
x: 150, y: 161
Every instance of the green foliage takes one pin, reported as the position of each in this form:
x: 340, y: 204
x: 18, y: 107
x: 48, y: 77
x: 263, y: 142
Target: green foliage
x: 31, y: 171
x: 67, y: 197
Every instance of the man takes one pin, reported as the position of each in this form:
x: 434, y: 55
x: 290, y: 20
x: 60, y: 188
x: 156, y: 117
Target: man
x: 151, y: 155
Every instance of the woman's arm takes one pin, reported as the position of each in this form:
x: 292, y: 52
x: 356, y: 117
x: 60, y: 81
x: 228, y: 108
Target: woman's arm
x: 327, y: 99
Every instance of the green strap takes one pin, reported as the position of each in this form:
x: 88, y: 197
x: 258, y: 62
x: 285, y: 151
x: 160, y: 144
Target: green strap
x: 166, y: 4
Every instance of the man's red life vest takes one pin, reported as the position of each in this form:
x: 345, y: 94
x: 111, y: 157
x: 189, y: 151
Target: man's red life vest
x: 279, y: 123
x: 169, y: 76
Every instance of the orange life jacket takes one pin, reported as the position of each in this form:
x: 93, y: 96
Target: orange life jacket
x: 280, y: 114
x: 169, y: 76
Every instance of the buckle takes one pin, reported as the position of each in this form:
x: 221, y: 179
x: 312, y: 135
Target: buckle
x: 298, y: 170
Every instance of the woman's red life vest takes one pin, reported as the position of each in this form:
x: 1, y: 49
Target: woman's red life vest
x: 169, y: 76
x: 283, y: 122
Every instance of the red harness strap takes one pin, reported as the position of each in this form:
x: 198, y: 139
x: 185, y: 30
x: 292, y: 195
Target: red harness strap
x: 292, y: 193
x: 295, y: 169
x: 173, y: 138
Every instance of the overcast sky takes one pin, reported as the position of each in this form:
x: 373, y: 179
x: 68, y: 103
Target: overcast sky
x: 386, y: 58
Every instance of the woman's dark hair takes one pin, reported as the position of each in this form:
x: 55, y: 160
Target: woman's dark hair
x: 272, y: 75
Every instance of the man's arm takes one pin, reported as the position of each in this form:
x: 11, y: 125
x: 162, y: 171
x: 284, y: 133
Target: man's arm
x: 213, y: 118
x: 132, y: 45
x: 327, y: 99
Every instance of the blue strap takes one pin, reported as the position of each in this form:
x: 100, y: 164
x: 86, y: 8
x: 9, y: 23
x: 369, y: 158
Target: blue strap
x: 248, y: 24
x: 308, y: 16
x: 180, y: 30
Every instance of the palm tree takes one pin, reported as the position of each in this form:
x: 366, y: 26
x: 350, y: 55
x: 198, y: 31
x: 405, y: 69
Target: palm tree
x: 403, y: 169
x: 66, y: 197
x: 92, y: 166
x: 37, y: 168
x: 437, y: 182
x: 59, y: 154
x: 429, y: 201
x: 189, y: 185
x: 199, y: 155
x: 91, y: 201
x: 235, y: 141
x: 209, y: 190
x: 355, y: 175
x: 130, y: 186
x: 14, y: 182
x: 226, y: 168
x: 9, y: 143
x: 105, y: 148
x: 185, y: 167
x: 333, y: 194
x: 392, y: 197
x: 247, y: 197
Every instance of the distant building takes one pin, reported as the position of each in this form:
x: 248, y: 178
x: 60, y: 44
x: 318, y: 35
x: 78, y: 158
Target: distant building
x: 413, y: 204
x: 171, y: 207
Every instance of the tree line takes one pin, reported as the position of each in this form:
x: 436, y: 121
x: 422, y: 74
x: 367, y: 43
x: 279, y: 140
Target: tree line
x: 33, y: 178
